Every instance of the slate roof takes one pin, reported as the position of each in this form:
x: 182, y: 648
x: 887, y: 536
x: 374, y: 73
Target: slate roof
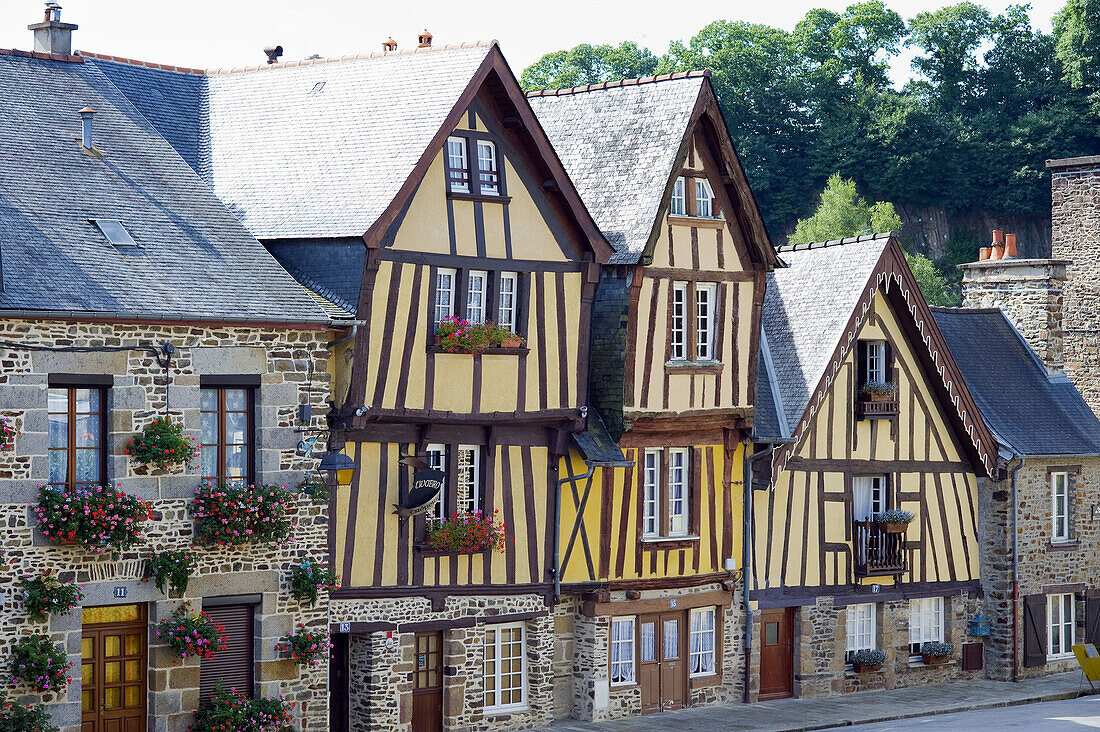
x: 195, y: 260
x: 1029, y: 411
x: 311, y: 148
x: 806, y: 306
x: 618, y: 144
x: 598, y: 446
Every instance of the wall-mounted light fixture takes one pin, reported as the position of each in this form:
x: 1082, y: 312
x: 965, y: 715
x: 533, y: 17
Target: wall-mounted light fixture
x: 339, y: 466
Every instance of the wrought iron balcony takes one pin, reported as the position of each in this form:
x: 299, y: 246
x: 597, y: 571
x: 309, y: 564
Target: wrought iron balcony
x: 877, y: 551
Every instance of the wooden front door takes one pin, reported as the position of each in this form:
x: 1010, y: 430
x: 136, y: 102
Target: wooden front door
x: 113, y: 670
x: 662, y: 668
x: 339, y: 689
x: 428, y: 683
x: 776, y: 653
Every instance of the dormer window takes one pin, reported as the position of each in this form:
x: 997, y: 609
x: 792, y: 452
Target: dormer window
x: 876, y: 362
x: 487, y: 168
x: 678, y: 206
x: 458, y: 167
x: 704, y: 199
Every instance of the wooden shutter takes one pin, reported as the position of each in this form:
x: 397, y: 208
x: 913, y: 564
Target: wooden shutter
x: 861, y: 365
x: 972, y: 656
x: 888, y: 362
x: 233, y: 666
x: 1092, y: 617
x: 1035, y: 630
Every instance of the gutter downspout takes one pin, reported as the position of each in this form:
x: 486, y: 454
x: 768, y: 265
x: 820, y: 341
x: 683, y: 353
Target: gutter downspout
x: 557, y: 523
x: 1015, y: 575
x: 746, y: 546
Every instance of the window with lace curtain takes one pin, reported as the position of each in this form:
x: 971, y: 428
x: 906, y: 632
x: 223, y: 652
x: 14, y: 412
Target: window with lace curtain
x: 701, y: 642
x: 622, y: 650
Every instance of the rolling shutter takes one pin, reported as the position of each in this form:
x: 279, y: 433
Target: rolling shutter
x: 1092, y: 617
x: 1035, y: 630
x: 233, y: 666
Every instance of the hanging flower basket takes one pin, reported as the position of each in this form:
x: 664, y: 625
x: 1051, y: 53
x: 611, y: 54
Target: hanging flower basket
x: 100, y: 518
x: 306, y: 647
x: 309, y: 578
x: 466, y: 533
x: 40, y: 663
x: 226, y: 709
x: 192, y: 634
x: 234, y: 514
x: 162, y: 445
x: 44, y: 595
x: 170, y: 570
x: 8, y: 433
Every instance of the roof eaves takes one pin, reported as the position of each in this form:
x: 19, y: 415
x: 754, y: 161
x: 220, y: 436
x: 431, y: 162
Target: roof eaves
x: 124, y: 315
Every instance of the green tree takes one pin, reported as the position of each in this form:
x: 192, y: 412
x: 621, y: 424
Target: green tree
x: 1077, y: 30
x: 587, y: 64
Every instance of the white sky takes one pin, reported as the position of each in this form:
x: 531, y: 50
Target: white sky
x: 215, y: 33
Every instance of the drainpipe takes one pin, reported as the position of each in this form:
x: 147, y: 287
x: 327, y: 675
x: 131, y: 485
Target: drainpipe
x: 557, y: 522
x: 1015, y: 575
x: 747, y: 543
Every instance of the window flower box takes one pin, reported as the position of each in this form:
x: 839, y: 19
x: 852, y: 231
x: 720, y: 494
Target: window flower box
x: 877, y: 399
x: 100, y: 518
x: 867, y: 660
x: 935, y: 652
x: 227, y: 709
x: 465, y: 533
x: 235, y: 514
x: 457, y: 335
x: 894, y: 521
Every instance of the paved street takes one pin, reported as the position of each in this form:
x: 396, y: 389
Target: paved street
x: 978, y: 703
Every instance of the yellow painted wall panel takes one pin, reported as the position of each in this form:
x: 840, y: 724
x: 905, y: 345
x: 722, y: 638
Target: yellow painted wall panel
x: 454, y: 382
x: 548, y: 293
x: 424, y: 227
x: 465, y: 238
x: 399, y: 328
x: 492, y: 216
x: 573, y: 283
x: 499, y: 375
x: 708, y: 249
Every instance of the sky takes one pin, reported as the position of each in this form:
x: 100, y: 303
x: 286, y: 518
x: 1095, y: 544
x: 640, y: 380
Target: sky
x: 227, y: 33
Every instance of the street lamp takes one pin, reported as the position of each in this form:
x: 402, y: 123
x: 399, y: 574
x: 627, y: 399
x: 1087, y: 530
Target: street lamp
x: 338, y: 466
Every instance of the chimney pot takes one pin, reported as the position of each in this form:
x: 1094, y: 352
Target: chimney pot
x: 1010, y: 245
x: 983, y: 254
x: 389, y: 45
x: 425, y: 39
x: 273, y: 53
x: 51, y: 35
x: 86, y: 116
x: 998, y: 236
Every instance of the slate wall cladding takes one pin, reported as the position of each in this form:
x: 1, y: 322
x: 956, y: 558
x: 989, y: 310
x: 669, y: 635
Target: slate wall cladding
x: 334, y: 266
x: 1043, y: 565
x: 1075, y: 236
x: 607, y: 369
x: 282, y: 359
x: 1030, y: 292
x: 381, y: 673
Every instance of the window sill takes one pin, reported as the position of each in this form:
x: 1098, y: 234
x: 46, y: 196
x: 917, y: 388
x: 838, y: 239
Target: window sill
x: 697, y: 221
x: 1064, y: 546
x: 502, y: 713
x: 482, y: 197
x: 425, y: 549
x: 851, y: 673
x: 655, y: 543
x: 700, y: 682
x: 623, y: 685
x: 520, y: 351
x: 693, y: 367
x: 917, y: 663
x: 1061, y: 657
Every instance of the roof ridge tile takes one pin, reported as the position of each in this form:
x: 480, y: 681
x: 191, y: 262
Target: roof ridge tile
x: 835, y: 242
x: 71, y: 58
x: 616, y: 83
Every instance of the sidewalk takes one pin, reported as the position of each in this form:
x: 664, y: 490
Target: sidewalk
x: 795, y: 715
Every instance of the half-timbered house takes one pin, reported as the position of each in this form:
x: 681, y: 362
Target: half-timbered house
x: 651, y: 535
x: 866, y: 414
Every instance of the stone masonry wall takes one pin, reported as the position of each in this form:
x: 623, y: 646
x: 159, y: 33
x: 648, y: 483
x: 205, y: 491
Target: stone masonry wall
x: 1075, y: 236
x: 1043, y: 566
x: 283, y: 360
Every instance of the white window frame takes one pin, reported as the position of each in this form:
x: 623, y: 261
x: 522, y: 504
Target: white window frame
x: 1059, y: 507
x: 444, y: 296
x: 706, y: 300
x: 436, y: 457
x: 861, y: 627
x: 458, y: 159
x: 1057, y: 606
x: 699, y: 656
x: 468, y: 478
x: 926, y: 622
x: 507, y: 292
x: 492, y: 638
x: 875, y: 487
x: 678, y: 336
x: 651, y: 490
x: 677, y: 491
x: 622, y: 651
x: 487, y: 188
x: 876, y: 362
x: 476, y: 296
x: 704, y: 199
x: 678, y: 204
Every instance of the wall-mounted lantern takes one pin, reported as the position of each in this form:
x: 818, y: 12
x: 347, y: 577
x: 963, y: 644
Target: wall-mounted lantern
x: 339, y: 467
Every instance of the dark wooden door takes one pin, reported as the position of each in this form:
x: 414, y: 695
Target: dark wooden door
x: 776, y: 653
x: 339, y: 689
x: 428, y: 683
x: 113, y: 669
x: 649, y: 663
x: 673, y: 663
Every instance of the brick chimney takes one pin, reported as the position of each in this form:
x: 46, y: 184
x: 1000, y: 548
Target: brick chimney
x: 51, y: 35
x: 1029, y: 291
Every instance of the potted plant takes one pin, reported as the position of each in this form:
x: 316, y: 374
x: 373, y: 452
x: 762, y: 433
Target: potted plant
x: 868, y: 659
x: 170, y: 570
x: 309, y: 578
x: 162, y: 445
x: 466, y: 533
x: 893, y: 520
x: 40, y: 663
x: 15, y: 717
x: 879, y: 391
x: 8, y: 433
x: 192, y: 634
x: 44, y: 594
x: 935, y: 652
x: 229, y: 710
x: 100, y: 518
x: 235, y: 514
x: 457, y: 335
x: 306, y: 647
x: 316, y: 488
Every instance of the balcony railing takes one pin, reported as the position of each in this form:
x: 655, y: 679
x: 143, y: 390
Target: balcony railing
x: 877, y: 551
x: 867, y: 409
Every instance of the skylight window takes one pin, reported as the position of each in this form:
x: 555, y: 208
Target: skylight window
x: 115, y: 232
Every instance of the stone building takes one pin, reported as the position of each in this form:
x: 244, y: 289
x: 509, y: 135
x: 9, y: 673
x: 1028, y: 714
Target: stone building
x: 865, y: 415
x: 129, y: 292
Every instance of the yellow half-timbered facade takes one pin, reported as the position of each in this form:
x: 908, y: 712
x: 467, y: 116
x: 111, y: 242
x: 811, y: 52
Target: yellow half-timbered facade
x: 867, y: 517
x: 650, y: 526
